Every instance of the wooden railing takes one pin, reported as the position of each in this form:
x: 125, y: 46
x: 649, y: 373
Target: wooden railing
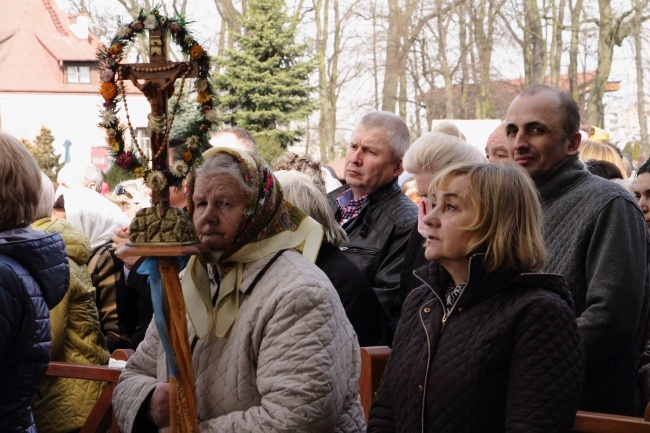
x: 373, y: 363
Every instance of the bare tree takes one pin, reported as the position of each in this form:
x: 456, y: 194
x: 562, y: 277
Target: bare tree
x: 612, y: 30
x: 640, y: 90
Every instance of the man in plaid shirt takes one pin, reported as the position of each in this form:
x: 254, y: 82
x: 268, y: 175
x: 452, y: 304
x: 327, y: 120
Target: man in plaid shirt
x: 371, y: 207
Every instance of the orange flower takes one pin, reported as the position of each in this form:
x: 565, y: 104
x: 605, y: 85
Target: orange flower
x: 108, y: 90
x: 203, y: 97
x: 111, y: 140
x: 196, y: 52
x: 115, y: 49
x: 187, y: 155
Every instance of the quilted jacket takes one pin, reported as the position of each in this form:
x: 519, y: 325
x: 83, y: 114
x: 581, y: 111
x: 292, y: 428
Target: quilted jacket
x: 378, y: 238
x: 596, y: 238
x: 34, y: 276
x: 506, y: 358
x: 290, y: 362
x: 63, y: 404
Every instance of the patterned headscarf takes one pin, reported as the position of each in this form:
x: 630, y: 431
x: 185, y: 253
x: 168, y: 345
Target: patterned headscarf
x: 268, y: 224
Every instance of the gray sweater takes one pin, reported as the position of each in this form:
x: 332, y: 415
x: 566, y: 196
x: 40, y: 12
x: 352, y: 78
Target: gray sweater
x: 596, y: 237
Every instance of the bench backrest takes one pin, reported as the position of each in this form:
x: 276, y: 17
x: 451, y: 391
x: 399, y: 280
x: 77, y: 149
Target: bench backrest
x: 101, y: 417
x: 373, y: 363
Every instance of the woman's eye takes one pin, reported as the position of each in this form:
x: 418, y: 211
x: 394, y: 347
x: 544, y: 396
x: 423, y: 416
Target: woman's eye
x: 450, y: 207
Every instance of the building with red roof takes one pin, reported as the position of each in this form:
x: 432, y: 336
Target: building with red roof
x: 49, y: 77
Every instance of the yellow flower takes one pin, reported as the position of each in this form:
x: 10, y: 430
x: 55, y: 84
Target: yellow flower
x: 139, y: 171
x: 115, y: 146
x: 203, y: 97
x: 115, y: 49
x: 108, y: 90
x: 196, y: 52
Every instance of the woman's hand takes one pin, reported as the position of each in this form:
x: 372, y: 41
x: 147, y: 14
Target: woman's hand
x: 120, y: 238
x: 159, y: 406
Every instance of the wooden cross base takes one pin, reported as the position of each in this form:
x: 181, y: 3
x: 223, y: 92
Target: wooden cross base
x: 182, y: 397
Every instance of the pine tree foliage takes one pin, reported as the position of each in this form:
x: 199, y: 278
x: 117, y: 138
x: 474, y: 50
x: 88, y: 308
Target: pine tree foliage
x: 43, y: 152
x: 263, y: 83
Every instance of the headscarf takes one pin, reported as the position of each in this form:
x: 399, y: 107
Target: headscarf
x: 268, y: 224
x: 92, y: 213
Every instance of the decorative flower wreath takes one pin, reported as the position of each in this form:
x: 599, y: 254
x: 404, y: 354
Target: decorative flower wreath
x: 112, y: 90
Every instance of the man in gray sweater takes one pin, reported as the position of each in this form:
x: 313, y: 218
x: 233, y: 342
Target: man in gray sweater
x: 595, y: 237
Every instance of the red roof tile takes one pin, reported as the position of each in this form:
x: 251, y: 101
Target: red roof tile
x: 37, y: 45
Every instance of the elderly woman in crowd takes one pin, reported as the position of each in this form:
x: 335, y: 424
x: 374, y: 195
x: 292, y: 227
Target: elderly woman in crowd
x: 63, y: 404
x: 273, y: 349
x: 118, y: 305
x: 486, y: 344
x: 359, y: 300
x: 34, y: 276
x: 427, y: 156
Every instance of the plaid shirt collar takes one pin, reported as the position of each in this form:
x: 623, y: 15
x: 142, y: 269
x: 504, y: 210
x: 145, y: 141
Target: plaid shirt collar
x: 350, y: 207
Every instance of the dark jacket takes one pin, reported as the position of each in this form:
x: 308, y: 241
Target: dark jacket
x: 596, y: 238
x: 361, y: 304
x: 506, y: 358
x: 34, y: 276
x: 413, y: 259
x: 378, y: 238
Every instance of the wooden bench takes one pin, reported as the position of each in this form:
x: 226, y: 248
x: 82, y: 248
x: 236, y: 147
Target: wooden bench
x: 373, y: 363
x: 101, y: 417
x: 592, y: 422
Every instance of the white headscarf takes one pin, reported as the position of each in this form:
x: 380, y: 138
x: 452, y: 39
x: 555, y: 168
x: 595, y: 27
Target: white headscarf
x: 92, y: 213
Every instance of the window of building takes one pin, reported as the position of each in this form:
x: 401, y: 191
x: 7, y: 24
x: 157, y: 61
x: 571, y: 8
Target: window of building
x: 79, y: 74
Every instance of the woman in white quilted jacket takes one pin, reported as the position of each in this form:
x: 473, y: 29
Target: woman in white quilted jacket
x: 273, y: 351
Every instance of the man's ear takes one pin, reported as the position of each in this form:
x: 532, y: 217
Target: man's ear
x: 399, y: 169
x: 574, y: 143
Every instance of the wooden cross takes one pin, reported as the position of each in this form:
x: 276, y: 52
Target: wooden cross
x: 158, y: 78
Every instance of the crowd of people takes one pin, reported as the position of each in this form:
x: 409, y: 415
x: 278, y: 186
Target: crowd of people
x: 512, y: 285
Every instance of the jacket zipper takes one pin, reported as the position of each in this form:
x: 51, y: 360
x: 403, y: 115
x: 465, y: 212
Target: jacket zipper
x: 445, y: 317
x: 426, y: 370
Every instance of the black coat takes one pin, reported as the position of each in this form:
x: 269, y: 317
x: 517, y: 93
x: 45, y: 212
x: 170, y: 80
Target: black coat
x: 34, y: 276
x: 506, y: 358
x: 361, y: 304
x: 378, y: 237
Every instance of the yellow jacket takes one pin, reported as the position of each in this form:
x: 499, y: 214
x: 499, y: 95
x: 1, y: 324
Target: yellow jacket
x: 63, y: 404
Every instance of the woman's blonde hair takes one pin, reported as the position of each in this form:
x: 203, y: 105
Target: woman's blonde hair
x: 20, y: 183
x: 434, y: 151
x: 601, y: 152
x: 300, y: 190
x: 508, y: 221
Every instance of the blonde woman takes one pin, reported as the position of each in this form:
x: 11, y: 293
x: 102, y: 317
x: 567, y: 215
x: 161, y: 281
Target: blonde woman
x: 486, y: 343
x: 601, y: 152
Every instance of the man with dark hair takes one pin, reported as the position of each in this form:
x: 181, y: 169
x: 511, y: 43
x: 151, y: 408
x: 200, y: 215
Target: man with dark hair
x: 371, y: 207
x: 595, y: 237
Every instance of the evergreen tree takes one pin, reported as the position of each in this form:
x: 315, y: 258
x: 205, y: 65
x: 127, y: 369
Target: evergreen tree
x: 263, y: 83
x: 43, y: 152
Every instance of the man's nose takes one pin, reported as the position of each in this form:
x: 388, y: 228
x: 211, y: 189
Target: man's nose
x: 520, y: 141
x: 355, y: 156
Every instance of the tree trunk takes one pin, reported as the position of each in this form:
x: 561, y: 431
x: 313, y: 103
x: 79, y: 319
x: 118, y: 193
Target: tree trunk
x: 640, y: 94
x: 611, y: 31
x: 393, y: 54
x: 555, y: 57
x: 574, y: 49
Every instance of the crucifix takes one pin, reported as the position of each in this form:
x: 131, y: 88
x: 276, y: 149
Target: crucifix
x: 156, y: 81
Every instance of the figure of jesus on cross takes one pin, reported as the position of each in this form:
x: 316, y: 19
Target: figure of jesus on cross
x: 158, y: 79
